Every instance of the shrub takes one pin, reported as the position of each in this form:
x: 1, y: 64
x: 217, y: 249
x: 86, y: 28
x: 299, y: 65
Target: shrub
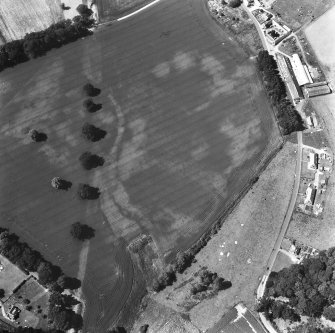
x: 87, y: 192
x: 90, y: 106
x: 93, y: 133
x: 90, y: 161
x: 81, y: 231
x: 90, y: 90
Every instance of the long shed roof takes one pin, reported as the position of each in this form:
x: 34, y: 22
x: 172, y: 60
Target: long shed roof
x: 299, y: 70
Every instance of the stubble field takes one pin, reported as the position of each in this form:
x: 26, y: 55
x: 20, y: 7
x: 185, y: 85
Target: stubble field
x: 22, y: 16
x: 187, y: 127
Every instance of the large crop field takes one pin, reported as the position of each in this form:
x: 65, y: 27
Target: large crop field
x: 188, y: 126
x: 22, y: 16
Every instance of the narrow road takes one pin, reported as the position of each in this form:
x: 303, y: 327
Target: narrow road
x: 260, y: 32
x: 290, y: 207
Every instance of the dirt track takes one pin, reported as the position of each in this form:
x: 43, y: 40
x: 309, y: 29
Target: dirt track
x: 187, y: 126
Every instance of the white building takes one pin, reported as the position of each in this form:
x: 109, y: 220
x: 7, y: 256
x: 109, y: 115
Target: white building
x: 300, y: 71
x: 313, y: 161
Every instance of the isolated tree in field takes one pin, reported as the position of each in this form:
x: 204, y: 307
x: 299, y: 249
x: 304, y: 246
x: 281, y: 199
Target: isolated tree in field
x: 81, y: 231
x: 93, y: 133
x: 90, y: 106
x: 235, y: 3
x: 87, y: 192
x: 60, y: 184
x: 84, y: 10
x: 90, y: 161
x: 38, y: 136
x: 90, y: 90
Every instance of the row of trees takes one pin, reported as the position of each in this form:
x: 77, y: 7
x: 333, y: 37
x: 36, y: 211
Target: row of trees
x: 309, y: 287
x: 288, y: 118
x: 36, y: 44
x: 30, y: 260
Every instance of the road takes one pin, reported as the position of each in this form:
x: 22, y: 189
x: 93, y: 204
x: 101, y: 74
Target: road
x: 290, y: 207
x: 260, y: 32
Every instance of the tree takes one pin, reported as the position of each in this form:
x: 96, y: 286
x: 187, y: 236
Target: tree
x: 87, y: 192
x: 84, y: 10
x: 329, y: 313
x: 66, y: 282
x: 60, y: 184
x: 48, y: 273
x: 29, y: 259
x: 2, y: 293
x: 144, y: 328
x: 234, y: 3
x: 38, y: 136
x: 90, y: 161
x: 183, y: 260
x: 93, y: 133
x: 90, y: 106
x: 81, y: 231
x: 90, y: 90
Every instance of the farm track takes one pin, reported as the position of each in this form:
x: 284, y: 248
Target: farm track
x: 159, y: 124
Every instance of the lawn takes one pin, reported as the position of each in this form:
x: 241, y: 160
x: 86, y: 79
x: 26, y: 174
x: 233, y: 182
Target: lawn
x: 10, y: 277
x: 187, y: 127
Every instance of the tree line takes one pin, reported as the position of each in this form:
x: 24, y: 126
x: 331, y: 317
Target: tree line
x: 29, y: 260
x: 308, y: 287
x: 36, y: 44
x: 288, y: 118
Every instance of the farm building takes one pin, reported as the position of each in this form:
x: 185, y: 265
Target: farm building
x: 313, y: 161
x: 310, y: 196
x: 300, y: 71
x: 317, y: 88
x: 287, y: 74
x: 277, y: 33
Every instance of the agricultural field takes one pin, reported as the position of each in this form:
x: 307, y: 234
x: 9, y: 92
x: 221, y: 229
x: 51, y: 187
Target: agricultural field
x: 297, y: 13
x: 321, y: 37
x: 22, y: 16
x: 188, y: 127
